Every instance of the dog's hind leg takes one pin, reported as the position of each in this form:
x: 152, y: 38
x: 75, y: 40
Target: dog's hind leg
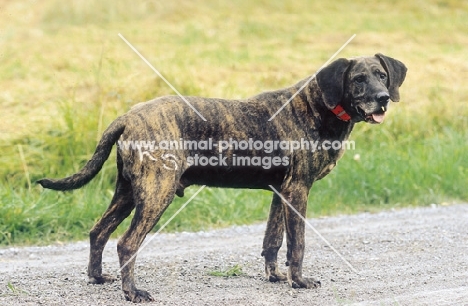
x: 152, y: 195
x: 273, y: 239
x: 120, y: 208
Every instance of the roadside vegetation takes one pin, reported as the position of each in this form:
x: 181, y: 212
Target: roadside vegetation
x: 65, y: 75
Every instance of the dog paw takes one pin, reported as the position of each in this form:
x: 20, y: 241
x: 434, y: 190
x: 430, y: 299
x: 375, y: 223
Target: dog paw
x: 308, y: 283
x: 138, y: 296
x: 102, y: 279
x: 277, y: 277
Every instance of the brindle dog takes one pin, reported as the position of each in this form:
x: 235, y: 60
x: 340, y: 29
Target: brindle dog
x: 326, y: 109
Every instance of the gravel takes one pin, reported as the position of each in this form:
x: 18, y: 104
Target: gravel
x: 413, y: 256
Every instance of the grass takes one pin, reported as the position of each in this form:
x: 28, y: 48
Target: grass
x: 13, y: 290
x: 233, y: 271
x: 65, y: 75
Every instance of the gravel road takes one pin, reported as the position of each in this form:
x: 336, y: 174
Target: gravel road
x: 405, y: 257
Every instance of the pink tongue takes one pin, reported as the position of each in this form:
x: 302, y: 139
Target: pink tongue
x: 379, y: 118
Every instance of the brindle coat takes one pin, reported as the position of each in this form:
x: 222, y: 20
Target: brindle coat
x: 361, y: 86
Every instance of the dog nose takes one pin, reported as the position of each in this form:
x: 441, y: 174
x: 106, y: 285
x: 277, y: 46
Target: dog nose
x: 382, y: 97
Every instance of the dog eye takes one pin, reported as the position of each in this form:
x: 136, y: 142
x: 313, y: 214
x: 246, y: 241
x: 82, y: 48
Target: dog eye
x: 383, y: 76
x: 360, y: 79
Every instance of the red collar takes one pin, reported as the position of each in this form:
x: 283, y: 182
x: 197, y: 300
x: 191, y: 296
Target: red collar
x: 341, y: 113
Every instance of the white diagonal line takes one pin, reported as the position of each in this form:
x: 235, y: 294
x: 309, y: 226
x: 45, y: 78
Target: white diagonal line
x: 313, y: 228
x: 161, y: 76
x: 162, y: 227
x: 312, y: 77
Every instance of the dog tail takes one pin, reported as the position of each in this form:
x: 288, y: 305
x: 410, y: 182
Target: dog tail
x: 94, y: 165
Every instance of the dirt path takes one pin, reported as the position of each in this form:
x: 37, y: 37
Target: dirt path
x: 407, y: 257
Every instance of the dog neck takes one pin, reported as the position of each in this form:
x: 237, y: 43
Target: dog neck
x: 312, y: 92
x: 334, y: 123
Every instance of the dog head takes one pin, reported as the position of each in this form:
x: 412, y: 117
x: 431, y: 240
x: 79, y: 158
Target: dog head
x: 359, y: 89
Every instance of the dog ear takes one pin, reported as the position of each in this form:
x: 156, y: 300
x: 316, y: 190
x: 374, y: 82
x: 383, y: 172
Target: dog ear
x: 331, y: 81
x: 396, y: 71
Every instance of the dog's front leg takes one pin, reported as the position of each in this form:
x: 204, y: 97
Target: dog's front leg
x: 273, y: 240
x: 296, y: 203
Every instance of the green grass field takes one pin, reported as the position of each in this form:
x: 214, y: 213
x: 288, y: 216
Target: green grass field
x: 65, y: 75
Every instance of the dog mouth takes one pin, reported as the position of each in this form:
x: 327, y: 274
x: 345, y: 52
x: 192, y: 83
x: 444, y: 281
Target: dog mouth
x: 375, y: 117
